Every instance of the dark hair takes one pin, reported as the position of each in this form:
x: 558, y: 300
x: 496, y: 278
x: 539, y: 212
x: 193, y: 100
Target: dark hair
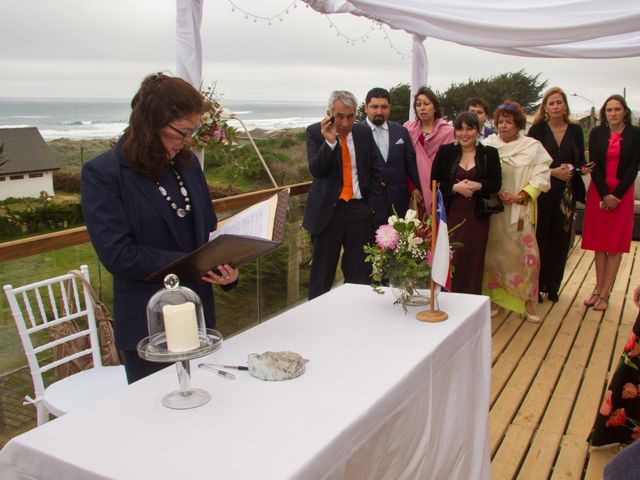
x: 511, y: 108
x: 377, y: 93
x: 432, y: 98
x: 470, y: 119
x: 476, y: 101
x: 159, y: 101
x: 623, y: 102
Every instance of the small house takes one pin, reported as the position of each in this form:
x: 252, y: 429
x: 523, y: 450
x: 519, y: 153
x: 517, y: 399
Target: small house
x: 26, y: 164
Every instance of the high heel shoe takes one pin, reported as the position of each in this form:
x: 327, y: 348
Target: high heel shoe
x: 531, y: 317
x: 591, y: 301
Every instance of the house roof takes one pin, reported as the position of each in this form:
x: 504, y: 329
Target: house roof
x: 25, y: 151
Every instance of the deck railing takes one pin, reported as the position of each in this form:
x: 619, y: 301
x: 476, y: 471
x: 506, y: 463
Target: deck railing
x: 267, y: 286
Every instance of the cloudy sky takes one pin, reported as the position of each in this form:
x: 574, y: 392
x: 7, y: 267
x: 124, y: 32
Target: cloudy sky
x: 98, y: 48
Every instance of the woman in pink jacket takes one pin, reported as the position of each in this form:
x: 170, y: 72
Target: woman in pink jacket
x: 428, y: 131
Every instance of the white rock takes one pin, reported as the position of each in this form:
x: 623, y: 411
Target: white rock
x: 276, y: 365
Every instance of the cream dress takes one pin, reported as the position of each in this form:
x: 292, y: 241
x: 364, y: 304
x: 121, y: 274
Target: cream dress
x: 512, y: 260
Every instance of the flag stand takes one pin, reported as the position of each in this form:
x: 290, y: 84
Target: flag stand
x: 432, y: 315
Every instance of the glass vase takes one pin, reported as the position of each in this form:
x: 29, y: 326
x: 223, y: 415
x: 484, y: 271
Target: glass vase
x: 410, y: 291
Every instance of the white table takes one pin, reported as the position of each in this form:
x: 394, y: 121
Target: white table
x: 383, y: 396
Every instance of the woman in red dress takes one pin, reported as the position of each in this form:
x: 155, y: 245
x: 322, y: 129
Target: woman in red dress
x: 614, y: 147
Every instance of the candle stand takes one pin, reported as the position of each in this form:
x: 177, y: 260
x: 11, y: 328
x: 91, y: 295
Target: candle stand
x: 155, y: 349
x: 177, y: 333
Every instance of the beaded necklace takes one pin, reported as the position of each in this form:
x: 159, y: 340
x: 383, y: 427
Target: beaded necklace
x: 180, y: 212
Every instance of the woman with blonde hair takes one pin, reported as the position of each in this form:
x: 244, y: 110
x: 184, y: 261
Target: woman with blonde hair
x: 564, y: 142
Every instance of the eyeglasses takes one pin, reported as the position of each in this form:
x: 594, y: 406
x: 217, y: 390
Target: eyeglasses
x: 187, y: 133
x: 508, y: 106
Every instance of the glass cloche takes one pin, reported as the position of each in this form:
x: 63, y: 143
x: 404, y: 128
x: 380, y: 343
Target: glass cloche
x: 175, y: 320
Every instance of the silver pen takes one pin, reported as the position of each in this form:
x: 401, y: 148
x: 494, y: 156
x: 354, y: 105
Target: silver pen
x: 234, y: 367
x: 222, y: 373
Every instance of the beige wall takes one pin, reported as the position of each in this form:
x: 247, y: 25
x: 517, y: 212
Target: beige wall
x: 26, y: 187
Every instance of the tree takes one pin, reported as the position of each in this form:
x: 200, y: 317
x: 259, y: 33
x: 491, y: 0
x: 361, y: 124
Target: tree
x: 400, y: 104
x: 519, y: 86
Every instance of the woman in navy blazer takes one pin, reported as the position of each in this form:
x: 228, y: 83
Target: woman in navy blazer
x: 146, y: 203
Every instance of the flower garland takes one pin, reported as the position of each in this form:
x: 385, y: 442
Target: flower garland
x: 213, y: 129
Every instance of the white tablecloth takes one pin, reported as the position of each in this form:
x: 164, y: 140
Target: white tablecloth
x: 383, y: 396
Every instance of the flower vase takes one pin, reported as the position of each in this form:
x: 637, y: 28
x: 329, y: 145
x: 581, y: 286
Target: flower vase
x: 409, y: 291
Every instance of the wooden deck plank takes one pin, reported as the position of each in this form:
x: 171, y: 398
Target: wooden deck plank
x: 573, y: 452
x: 544, y: 403
x: 542, y: 452
x: 546, y: 355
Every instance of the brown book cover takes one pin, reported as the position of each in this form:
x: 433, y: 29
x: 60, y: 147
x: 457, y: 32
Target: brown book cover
x: 232, y: 249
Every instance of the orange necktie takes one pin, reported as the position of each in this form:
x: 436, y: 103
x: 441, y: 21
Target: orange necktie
x: 347, y: 182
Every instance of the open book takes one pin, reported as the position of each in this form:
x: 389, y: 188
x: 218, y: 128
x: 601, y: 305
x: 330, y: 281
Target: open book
x: 237, y: 240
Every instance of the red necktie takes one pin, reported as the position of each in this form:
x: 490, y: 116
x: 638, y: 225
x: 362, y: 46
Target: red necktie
x: 347, y: 182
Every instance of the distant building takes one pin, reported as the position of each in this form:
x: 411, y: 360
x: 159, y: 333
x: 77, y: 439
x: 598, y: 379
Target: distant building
x: 26, y: 164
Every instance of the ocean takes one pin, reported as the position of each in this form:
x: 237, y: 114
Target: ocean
x: 84, y: 119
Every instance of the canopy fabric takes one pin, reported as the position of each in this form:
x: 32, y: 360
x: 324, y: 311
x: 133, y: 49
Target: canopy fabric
x: 533, y: 28
x: 543, y: 28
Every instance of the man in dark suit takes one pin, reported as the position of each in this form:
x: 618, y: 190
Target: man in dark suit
x: 345, y: 164
x: 480, y: 107
x: 398, y: 157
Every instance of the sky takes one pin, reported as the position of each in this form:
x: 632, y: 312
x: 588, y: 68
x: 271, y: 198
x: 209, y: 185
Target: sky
x: 103, y: 49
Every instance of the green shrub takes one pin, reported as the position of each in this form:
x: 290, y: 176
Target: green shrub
x: 66, y: 182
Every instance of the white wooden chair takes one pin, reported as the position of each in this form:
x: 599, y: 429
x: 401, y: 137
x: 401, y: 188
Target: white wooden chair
x: 36, y: 308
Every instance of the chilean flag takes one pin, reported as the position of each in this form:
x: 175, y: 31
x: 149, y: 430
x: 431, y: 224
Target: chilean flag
x: 440, y: 267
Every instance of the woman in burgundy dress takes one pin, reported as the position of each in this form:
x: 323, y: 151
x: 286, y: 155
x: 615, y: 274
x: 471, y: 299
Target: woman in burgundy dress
x: 466, y: 171
x: 614, y: 146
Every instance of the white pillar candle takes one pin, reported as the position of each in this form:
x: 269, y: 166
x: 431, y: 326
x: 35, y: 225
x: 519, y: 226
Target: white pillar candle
x: 181, y: 327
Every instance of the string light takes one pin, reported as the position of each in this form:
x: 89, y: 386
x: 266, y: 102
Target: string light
x: 403, y: 55
x: 351, y: 40
x: 348, y: 39
x: 253, y: 17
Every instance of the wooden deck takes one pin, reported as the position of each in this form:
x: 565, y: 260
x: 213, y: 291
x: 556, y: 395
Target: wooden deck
x: 548, y: 379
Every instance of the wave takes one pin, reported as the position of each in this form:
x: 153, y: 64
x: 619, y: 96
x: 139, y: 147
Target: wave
x: 79, y: 122
x: 84, y: 131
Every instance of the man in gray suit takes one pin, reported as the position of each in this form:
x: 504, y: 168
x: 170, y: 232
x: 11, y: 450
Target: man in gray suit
x: 398, y: 157
x: 345, y: 165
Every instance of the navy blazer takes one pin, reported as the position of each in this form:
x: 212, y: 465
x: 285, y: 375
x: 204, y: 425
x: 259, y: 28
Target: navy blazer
x: 627, y: 165
x: 447, y: 160
x: 133, y: 232
x: 325, y: 165
x: 401, y: 162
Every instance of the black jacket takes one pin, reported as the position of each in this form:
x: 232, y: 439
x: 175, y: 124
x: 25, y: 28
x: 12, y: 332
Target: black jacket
x: 446, y: 163
x: 629, y: 159
x: 325, y: 166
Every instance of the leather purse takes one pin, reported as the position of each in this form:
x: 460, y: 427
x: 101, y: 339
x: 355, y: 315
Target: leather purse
x: 489, y: 205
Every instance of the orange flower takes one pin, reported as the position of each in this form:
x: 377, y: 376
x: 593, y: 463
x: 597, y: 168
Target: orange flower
x: 606, y: 407
x: 631, y: 341
x: 629, y: 390
x: 617, y: 418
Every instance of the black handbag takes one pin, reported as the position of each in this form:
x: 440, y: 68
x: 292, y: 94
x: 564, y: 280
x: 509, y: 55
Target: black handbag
x: 489, y: 205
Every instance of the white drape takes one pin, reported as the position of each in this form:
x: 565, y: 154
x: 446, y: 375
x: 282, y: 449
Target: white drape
x: 535, y: 28
x: 189, y: 41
